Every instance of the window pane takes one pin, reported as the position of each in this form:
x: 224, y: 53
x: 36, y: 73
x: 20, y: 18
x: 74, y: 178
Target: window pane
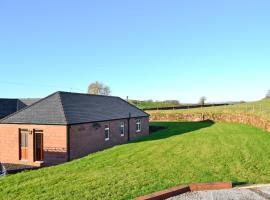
x: 107, y: 131
x: 122, y: 128
x: 22, y: 139
x: 106, y: 134
x: 138, y: 125
x: 26, y: 140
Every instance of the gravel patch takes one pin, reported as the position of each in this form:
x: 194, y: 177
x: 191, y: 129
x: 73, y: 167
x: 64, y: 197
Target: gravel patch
x: 261, y: 193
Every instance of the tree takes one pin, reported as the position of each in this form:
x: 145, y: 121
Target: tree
x: 202, y: 101
x: 99, y: 89
x: 106, y: 91
x: 268, y: 94
x: 172, y: 102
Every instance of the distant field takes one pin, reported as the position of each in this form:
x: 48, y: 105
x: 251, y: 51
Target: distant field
x: 145, y: 104
x: 259, y: 108
x: 184, y: 152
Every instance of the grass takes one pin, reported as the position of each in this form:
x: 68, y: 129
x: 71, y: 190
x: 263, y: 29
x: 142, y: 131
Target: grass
x: 184, y: 152
x: 258, y: 108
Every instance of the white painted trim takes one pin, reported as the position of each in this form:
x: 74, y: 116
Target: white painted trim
x: 122, y: 125
x: 138, y: 122
x: 105, y: 129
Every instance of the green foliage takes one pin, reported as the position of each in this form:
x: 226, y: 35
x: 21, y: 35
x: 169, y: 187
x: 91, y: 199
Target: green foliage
x: 184, y: 152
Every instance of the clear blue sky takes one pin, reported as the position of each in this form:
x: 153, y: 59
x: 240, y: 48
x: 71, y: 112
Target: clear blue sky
x: 173, y: 49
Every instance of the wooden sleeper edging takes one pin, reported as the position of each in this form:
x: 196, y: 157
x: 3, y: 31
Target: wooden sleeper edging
x: 165, y: 194
x: 168, y: 193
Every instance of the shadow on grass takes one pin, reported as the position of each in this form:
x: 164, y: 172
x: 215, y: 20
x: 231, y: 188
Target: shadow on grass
x: 162, y: 130
x: 239, y: 183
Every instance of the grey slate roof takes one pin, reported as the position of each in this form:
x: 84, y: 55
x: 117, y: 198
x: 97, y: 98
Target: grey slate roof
x: 63, y: 108
x: 29, y: 101
x: 9, y: 106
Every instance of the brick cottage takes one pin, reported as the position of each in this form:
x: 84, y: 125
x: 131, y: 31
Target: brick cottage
x: 65, y: 126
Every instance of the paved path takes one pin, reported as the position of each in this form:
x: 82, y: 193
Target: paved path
x: 243, y: 193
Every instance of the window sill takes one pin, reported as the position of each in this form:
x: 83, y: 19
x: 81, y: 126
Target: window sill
x: 107, y: 139
x: 122, y: 135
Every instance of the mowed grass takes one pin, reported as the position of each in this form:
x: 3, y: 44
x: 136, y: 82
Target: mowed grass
x: 259, y: 108
x: 185, y: 152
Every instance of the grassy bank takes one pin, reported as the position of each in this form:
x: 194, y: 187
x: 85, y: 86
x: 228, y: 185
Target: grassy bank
x: 259, y: 108
x: 185, y: 152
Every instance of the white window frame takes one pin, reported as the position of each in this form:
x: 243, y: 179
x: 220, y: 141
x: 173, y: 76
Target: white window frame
x: 107, y: 128
x: 122, y: 125
x: 138, y: 125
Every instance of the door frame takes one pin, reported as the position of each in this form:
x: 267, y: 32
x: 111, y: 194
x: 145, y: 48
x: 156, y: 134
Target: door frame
x: 38, y: 157
x: 23, y: 132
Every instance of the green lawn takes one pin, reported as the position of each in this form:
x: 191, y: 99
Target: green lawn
x: 259, y: 108
x: 185, y: 152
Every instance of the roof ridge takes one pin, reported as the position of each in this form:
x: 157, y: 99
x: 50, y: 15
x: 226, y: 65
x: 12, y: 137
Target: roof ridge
x: 62, y: 106
x: 28, y: 98
x: 28, y: 106
x: 79, y: 93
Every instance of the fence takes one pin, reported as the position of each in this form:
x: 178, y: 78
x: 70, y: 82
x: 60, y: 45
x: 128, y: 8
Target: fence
x: 256, y: 109
x: 184, y: 107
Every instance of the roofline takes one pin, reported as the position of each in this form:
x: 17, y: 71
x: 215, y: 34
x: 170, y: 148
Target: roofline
x: 19, y: 98
x: 79, y: 93
x: 59, y: 92
x: 9, y: 99
x: 77, y: 123
x: 27, y: 107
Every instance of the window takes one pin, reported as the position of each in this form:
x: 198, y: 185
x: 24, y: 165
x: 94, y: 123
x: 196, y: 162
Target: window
x: 107, y: 132
x: 24, y: 138
x: 122, y: 128
x: 138, y: 125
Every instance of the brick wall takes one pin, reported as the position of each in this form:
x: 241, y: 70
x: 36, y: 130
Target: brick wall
x: 145, y: 128
x: 54, y: 141
x: 84, y: 139
x: 90, y: 137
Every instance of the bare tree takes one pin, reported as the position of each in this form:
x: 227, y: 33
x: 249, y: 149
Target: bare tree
x: 106, y: 91
x: 268, y: 94
x: 202, y: 101
x: 99, y: 89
